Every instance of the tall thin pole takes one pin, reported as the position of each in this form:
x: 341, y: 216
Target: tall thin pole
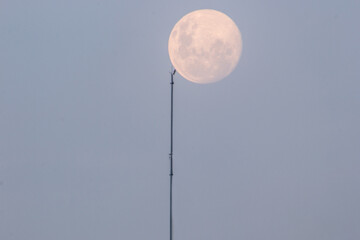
x: 172, y: 73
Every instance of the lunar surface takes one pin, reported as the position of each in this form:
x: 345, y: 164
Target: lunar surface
x: 205, y: 46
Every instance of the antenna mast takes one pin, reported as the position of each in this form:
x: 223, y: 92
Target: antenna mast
x: 172, y: 73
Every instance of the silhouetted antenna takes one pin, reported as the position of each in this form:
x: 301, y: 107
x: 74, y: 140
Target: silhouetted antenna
x: 172, y: 73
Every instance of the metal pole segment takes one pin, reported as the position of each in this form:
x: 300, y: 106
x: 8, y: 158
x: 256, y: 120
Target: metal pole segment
x: 172, y: 73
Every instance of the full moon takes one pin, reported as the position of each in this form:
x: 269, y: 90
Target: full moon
x: 205, y: 46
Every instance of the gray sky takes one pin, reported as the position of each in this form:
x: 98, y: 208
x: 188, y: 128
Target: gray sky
x: 271, y: 152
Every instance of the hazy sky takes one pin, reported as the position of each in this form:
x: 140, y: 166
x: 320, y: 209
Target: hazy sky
x: 270, y: 153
